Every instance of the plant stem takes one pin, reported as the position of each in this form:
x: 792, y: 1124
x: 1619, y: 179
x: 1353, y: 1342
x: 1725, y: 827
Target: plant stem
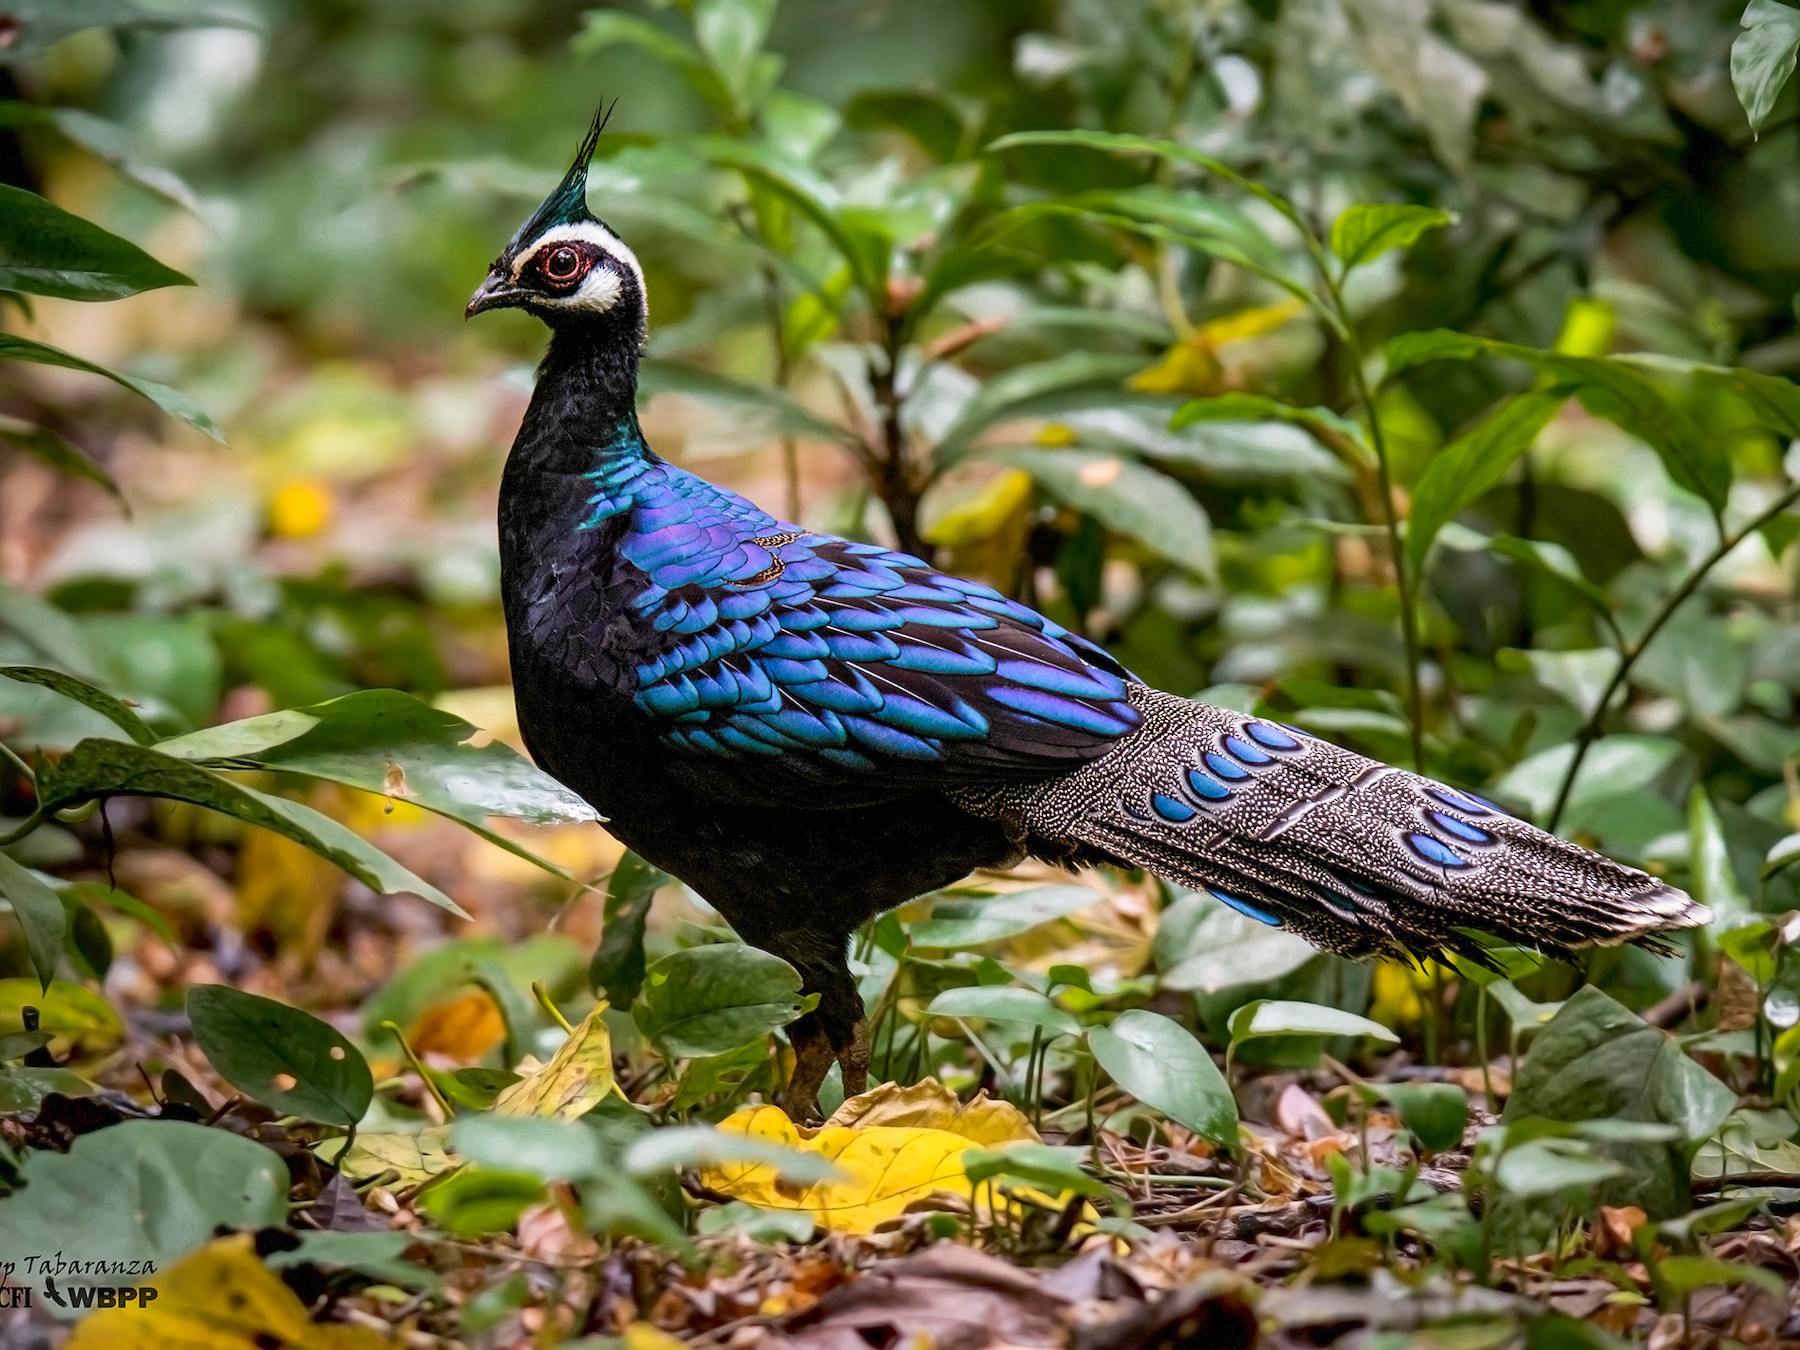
x: 18, y: 762
x: 1628, y: 656
x: 1409, y: 619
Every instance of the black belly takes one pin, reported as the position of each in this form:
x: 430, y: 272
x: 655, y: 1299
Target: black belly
x: 800, y: 865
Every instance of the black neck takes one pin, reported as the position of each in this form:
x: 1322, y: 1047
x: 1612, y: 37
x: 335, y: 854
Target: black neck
x: 585, y: 400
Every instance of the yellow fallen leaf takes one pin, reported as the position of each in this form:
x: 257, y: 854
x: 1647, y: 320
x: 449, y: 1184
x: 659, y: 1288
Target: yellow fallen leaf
x: 929, y: 1105
x: 463, y: 1028
x: 984, y: 512
x: 894, y: 1149
x: 416, y: 1158
x: 575, y: 1080
x: 218, y: 1298
x: 645, y: 1336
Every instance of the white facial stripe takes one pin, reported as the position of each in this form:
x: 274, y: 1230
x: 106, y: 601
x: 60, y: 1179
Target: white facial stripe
x: 600, y: 291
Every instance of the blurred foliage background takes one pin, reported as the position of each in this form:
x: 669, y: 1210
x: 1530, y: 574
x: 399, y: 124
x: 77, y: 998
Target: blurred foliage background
x: 871, y: 319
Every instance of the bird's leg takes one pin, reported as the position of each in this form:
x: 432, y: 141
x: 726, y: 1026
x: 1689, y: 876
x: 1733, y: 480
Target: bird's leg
x: 812, y: 1061
x: 853, y: 1059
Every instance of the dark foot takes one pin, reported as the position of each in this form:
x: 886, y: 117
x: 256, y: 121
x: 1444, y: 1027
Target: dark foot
x: 853, y: 1059
x: 812, y: 1061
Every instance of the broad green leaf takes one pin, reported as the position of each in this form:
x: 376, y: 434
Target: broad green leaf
x: 1043, y: 1167
x: 477, y: 1200
x: 550, y: 1148
x: 96, y: 769
x: 41, y: 23
x: 49, y: 448
x: 1762, y: 57
x: 1598, y: 1061
x: 1540, y: 1167
x: 1222, y: 949
x: 1616, y: 765
x: 1005, y: 1003
x: 141, y: 1190
x: 1607, y: 388
x: 281, y: 1056
x: 1364, y: 232
x: 957, y: 923
x: 783, y: 411
x: 392, y: 744
x: 1714, y: 883
x: 1436, y: 1113
x: 1157, y: 1061
x: 40, y: 914
x: 1283, y: 1017
x: 1126, y: 497
x: 603, y: 28
x: 171, y: 401
x: 113, y: 709
x: 707, y: 1000
x: 45, y: 250
x: 1471, y: 464
x: 617, y: 970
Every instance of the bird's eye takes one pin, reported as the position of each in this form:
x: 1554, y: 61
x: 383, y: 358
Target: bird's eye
x: 562, y: 264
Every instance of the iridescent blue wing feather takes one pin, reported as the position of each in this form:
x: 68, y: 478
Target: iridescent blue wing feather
x: 831, y: 661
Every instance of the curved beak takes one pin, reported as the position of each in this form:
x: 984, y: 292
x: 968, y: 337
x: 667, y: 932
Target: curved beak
x: 494, y: 293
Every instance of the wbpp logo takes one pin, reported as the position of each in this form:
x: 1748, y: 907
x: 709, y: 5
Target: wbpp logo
x: 86, y: 1296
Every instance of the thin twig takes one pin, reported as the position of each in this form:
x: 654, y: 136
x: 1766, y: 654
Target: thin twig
x: 1628, y: 657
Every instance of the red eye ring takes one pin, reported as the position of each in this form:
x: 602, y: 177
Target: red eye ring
x: 562, y: 264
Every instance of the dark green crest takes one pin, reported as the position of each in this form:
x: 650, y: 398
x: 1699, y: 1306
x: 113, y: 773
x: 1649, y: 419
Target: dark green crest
x: 567, y: 204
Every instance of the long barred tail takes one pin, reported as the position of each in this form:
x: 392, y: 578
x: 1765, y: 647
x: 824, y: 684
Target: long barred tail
x: 1354, y: 855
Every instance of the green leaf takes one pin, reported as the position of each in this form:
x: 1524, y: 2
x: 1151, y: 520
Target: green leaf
x: 47, y: 447
x: 392, y: 744
x: 1042, y: 1167
x: 45, y: 250
x: 707, y: 1000
x: 1023, y: 391
x: 1616, y: 765
x: 548, y: 1148
x: 617, y: 970
x: 82, y: 1024
x: 113, y: 709
x: 141, y: 1190
x: 375, y: 1255
x: 256, y: 1042
x: 1159, y: 1063
x: 1607, y: 388
x: 1126, y: 497
x: 1598, y: 1061
x: 1120, y: 143
x: 55, y: 634
x: 1554, y: 1166
x: 1762, y: 57
x: 784, y: 413
x: 97, y: 768
x: 676, y: 1147
x: 1364, y: 232
x: 1005, y: 1003
x: 959, y: 923
x: 171, y: 401
x: 23, y: 1088
x: 1282, y: 1017
x: 1471, y: 464
x: 1436, y: 1113
x: 1333, y: 429
x: 1202, y: 947
x: 44, y: 22
x: 478, y: 1200
x: 108, y: 141
x: 1715, y: 883
x: 40, y: 914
